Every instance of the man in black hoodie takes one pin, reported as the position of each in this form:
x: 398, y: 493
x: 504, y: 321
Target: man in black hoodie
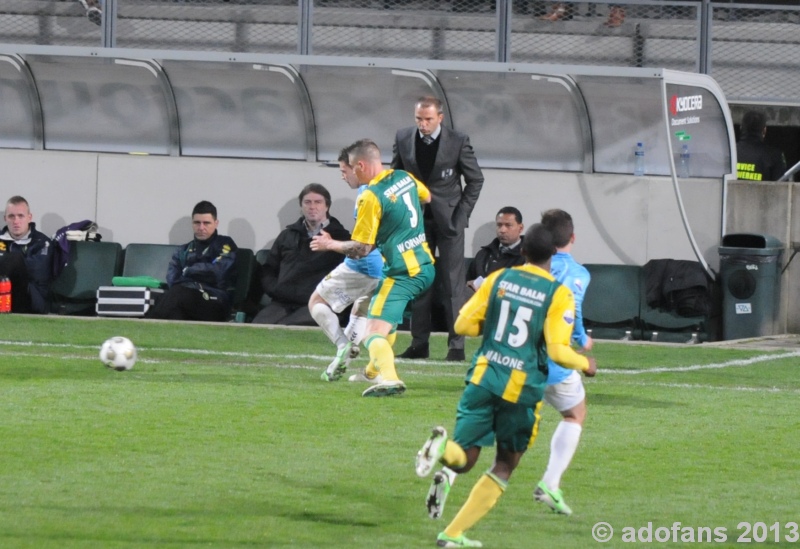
x: 292, y: 271
x: 757, y: 160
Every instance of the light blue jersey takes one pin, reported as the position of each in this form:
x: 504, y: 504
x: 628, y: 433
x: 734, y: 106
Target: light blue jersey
x: 370, y: 265
x: 574, y: 276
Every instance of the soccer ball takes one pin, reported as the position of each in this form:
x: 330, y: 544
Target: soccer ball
x: 118, y: 353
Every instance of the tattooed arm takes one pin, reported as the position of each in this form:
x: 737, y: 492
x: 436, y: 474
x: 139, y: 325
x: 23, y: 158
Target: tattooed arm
x: 351, y: 248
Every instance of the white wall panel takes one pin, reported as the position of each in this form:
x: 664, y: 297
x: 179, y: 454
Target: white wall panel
x: 619, y: 219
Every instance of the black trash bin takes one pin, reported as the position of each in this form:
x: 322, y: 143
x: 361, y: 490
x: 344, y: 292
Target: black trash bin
x: 750, y: 274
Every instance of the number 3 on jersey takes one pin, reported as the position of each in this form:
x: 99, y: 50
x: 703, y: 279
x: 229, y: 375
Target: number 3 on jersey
x: 410, y: 205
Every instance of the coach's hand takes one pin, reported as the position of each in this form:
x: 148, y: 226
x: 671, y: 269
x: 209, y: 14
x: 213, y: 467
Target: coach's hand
x: 321, y: 242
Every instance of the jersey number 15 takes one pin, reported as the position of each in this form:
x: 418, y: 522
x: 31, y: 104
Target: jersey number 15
x: 521, y: 322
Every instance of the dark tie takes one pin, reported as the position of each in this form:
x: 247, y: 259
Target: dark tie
x: 427, y: 139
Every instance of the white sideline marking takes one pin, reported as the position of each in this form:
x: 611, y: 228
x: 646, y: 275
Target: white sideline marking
x: 206, y: 352
x: 272, y: 356
x: 741, y: 388
x: 727, y: 364
x: 769, y: 390
x: 140, y: 360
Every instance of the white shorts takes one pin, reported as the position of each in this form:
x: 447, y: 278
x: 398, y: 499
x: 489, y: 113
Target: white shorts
x: 343, y: 286
x: 567, y: 394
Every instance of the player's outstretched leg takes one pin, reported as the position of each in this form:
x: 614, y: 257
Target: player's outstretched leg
x: 438, y: 492
x: 443, y: 540
x: 338, y: 365
x: 482, y: 498
x: 346, y: 354
x: 389, y: 387
x: 364, y: 376
x: 563, y: 446
x: 355, y: 351
x: 552, y: 498
x: 432, y: 451
x: 382, y: 359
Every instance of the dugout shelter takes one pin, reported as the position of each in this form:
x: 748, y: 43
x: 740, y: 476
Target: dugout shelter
x: 546, y: 136
x: 133, y: 131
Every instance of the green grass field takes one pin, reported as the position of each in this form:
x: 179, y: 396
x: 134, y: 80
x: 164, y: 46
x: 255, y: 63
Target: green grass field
x: 223, y: 436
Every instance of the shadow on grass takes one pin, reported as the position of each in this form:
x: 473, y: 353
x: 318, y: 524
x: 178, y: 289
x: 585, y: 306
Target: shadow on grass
x: 327, y: 518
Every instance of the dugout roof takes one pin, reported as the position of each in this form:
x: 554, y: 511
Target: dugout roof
x: 519, y: 116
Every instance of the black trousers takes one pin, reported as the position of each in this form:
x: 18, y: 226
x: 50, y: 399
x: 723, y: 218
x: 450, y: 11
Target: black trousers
x: 450, y: 285
x: 12, y: 266
x: 185, y: 303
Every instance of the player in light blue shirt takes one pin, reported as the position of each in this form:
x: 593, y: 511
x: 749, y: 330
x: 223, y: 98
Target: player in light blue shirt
x: 576, y: 277
x: 351, y: 283
x: 564, y: 390
x: 372, y: 264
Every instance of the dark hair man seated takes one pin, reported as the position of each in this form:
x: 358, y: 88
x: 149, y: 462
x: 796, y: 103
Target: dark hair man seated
x: 25, y: 259
x: 502, y: 252
x: 202, y: 273
x: 292, y: 271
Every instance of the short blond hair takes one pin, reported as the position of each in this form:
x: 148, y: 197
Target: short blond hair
x: 430, y: 101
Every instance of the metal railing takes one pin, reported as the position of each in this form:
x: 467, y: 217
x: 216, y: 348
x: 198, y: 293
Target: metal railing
x: 752, y: 50
x: 790, y: 173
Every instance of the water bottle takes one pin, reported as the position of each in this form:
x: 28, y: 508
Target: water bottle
x: 683, y: 166
x: 638, y: 159
x: 5, y: 295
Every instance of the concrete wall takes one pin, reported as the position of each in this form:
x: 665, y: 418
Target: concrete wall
x: 773, y: 209
x: 620, y: 219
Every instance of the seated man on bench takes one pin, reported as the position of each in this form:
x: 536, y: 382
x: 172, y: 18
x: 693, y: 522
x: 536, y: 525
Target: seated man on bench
x: 502, y: 252
x: 202, y: 273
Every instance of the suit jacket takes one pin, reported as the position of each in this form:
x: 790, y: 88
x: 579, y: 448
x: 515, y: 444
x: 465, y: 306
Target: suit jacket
x: 451, y: 205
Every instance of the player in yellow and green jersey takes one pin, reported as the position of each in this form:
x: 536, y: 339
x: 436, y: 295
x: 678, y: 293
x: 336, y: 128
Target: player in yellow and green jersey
x: 389, y: 218
x: 524, y: 316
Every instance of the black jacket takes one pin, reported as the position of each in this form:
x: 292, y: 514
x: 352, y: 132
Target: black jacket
x: 208, y: 264
x: 292, y: 271
x: 37, y: 250
x: 758, y: 161
x: 489, y: 259
x: 677, y: 285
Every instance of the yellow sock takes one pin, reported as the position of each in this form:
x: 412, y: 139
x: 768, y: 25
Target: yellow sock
x: 454, y: 455
x: 482, y: 498
x: 370, y: 372
x: 381, y: 357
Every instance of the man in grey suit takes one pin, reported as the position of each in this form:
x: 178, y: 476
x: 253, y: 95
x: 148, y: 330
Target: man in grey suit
x: 440, y: 157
